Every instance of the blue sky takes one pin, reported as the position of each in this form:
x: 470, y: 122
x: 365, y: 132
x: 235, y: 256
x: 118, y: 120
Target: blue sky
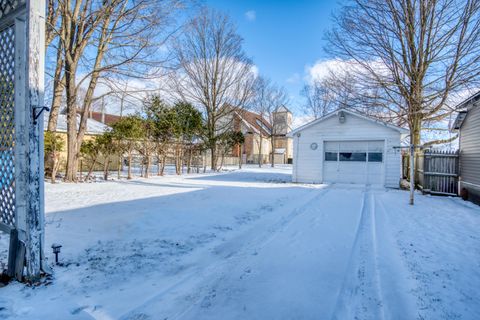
x: 282, y: 37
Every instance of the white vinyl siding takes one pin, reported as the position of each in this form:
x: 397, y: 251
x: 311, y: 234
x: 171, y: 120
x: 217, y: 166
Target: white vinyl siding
x: 470, y: 153
x: 469, y: 146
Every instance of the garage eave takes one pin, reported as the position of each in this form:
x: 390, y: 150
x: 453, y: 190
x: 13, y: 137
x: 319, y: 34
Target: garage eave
x: 336, y: 113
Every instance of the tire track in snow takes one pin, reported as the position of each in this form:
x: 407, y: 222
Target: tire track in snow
x: 316, y: 244
x: 254, y: 245
x: 360, y: 296
x: 202, y: 279
x: 398, y: 284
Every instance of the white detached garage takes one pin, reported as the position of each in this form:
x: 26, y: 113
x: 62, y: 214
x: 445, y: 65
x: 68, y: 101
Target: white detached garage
x: 347, y: 147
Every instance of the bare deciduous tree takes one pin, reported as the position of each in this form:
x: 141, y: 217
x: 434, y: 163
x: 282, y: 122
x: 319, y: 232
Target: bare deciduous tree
x: 267, y: 99
x: 213, y: 72
x: 117, y: 38
x: 319, y: 99
x: 410, y: 56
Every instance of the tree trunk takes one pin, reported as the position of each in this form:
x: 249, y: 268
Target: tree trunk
x: 415, y: 132
x: 58, y: 87
x: 90, y: 170
x: 272, y: 139
x: 55, y: 107
x: 260, y: 160
x: 55, y: 163
x: 72, y: 147
x: 129, y: 175
x: 222, y: 161
x: 106, y: 165
x: 213, y: 156
x: 119, y: 170
x: 204, y: 161
x: 72, y: 157
x: 81, y: 170
x: 189, y: 161
x: 415, y: 138
x: 147, y: 166
x: 178, y: 161
x: 240, y: 153
x: 164, y: 158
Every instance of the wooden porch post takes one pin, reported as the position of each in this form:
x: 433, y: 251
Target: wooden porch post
x: 31, y: 217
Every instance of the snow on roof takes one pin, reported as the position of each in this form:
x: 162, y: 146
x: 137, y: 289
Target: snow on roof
x: 457, y: 124
x: 106, y: 118
x: 469, y: 101
x: 254, y: 121
x: 466, y: 104
x: 93, y: 127
x: 334, y: 113
x: 249, y: 126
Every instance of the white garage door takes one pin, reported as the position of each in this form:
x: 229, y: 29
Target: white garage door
x: 353, y: 162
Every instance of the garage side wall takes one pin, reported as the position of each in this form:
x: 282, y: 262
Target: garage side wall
x: 308, y: 163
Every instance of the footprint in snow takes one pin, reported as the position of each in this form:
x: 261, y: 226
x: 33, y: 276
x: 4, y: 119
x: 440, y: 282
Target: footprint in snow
x: 207, y: 300
x: 139, y: 316
x: 78, y: 310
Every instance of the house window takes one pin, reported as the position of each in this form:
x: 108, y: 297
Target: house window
x: 353, y: 156
x: 331, y: 156
x: 375, y: 157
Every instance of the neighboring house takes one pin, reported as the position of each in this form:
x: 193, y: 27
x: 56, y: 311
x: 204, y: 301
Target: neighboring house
x: 105, y: 118
x: 282, y: 125
x: 467, y: 124
x: 347, y: 147
x: 258, y: 133
x: 94, y: 128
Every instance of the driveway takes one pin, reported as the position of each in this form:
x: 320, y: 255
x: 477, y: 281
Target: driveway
x: 343, y: 252
x: 322, y: 262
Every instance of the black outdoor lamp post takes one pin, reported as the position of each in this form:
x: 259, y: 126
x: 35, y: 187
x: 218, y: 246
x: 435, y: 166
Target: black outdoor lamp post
x: 56, y: 250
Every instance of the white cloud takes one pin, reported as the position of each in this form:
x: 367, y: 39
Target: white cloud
x: 251, y: 15
x: 294, y: 78
x: 322, y: 68
x: 300, y: 120
x: 255, y: 71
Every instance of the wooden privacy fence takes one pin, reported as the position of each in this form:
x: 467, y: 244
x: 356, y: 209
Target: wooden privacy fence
x: 436, y: 171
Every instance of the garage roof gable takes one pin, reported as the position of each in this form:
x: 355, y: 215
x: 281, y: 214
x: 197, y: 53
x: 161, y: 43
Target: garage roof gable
x: 335, y: 113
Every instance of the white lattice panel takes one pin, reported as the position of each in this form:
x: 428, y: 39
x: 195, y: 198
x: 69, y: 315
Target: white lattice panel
x: 8, y: 6
x: 7, y: 126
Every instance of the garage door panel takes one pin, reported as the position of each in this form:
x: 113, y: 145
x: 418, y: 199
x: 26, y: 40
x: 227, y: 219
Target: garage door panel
x: 375, y: 146
x: 374, y: 173
x: 348, y: 162
x: 352, y: 172
x: 331, y: 146
x: 330, y: 171
x: 353, y: 146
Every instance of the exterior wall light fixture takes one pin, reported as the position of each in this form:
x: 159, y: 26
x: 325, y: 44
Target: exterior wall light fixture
x: 341, y: 117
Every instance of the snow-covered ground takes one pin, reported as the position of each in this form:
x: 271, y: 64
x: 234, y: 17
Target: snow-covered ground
x: 251, y: 245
